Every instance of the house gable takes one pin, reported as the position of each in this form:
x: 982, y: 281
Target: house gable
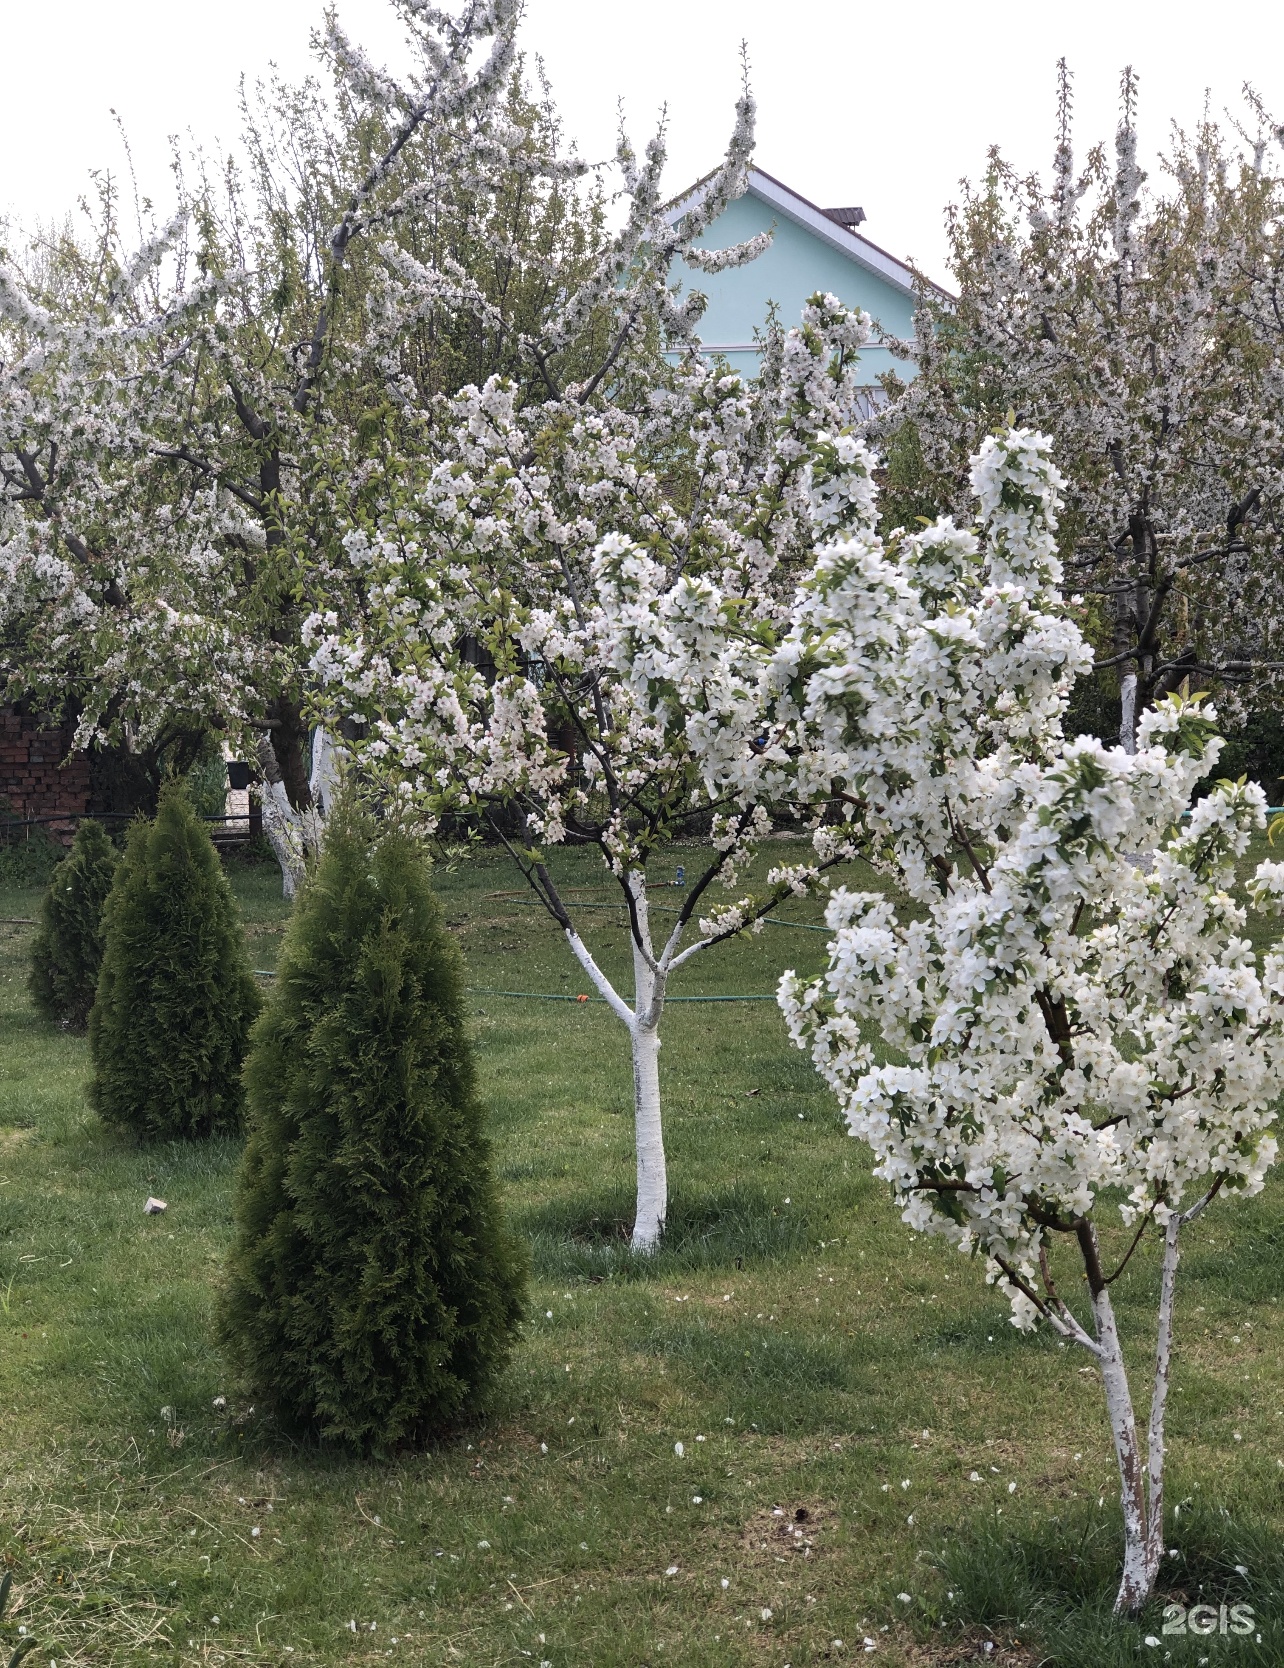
x: 809, y: 251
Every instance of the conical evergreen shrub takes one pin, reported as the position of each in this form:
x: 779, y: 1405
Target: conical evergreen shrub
x: 373, y: 1291
x: 68, y: 947
x: 176, y: 998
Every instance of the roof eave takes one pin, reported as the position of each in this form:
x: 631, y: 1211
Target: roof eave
x: 806, y: 214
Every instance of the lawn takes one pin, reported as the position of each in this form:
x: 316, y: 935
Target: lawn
x: 795, y: 1429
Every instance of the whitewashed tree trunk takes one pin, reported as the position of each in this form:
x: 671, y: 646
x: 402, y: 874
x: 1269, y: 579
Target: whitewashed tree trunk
x: 327, y: 766
x: 283, y: 826
x: 642, y: 1021
x: 1138, y: 1577
x: 653, y: 1183
x: 296, y: 836
x: 1141, y: 1486
x: 1159, y: 1394
x: 648, y: 1132
x: 1128, y: 712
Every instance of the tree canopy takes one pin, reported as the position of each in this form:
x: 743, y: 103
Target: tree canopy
x: 1138, y: 324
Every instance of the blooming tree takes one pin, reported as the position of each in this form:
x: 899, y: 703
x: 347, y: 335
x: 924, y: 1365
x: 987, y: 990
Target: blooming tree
x: 1071, y: 1017
x: 181, y: 423
x: 1137, y: 323
x: 554, y: 628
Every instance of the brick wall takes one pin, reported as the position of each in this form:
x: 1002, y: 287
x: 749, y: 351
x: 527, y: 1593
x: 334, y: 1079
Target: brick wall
x: 33, y: 779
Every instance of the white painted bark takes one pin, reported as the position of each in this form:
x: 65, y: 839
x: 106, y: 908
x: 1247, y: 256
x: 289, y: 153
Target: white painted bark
x: 327, y: 764
x: 649, y: 982
x: 653, y: 1181
x: 1128, y: 712
x: 1141, y: 1487
x: 283, y: 826
x: 1138, y: 1577
x: 293, y: 835
x: 1156, y: 1451
x: 642, y: 1021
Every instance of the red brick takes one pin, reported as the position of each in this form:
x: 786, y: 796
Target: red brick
x: 33, y: 777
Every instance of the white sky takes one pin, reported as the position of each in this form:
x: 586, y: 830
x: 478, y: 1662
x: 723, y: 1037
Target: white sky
x: 884, y: 105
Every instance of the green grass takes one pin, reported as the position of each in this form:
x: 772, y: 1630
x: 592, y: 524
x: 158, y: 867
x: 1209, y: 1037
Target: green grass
x: 809, y: 1354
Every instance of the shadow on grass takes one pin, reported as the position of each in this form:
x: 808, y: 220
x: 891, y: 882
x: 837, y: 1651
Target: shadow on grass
x: 985, y: 1332
x: 1053, y: 1582
x: 728, y: 1228
x: 774, y: 1381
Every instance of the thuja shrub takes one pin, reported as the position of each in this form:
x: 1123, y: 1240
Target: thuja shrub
x: 176, y: 997
x: 68, y: 947
x: 373, y: 1290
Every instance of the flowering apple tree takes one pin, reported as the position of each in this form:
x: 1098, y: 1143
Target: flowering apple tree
x: 555, y: 631
x: 1072, y: 1024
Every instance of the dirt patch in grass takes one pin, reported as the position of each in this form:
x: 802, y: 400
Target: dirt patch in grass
x: 787, y: 1531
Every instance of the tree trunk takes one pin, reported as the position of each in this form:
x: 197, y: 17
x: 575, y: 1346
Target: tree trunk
x: 290, y: 744
x: 642, y: 1022
x: 327, y: 762
x: 648, y: 1130
x: 295, y: 831
x: 1155, y: 1444
x: 1126, y: 628
x: 283, y: 826
x: 1141, y: 1489
x: 653, y: 1186
x: 1128, y: 712
x: 1138, y: 1577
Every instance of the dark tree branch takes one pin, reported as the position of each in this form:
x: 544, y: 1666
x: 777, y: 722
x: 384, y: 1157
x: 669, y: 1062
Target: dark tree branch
x: 181, y: 454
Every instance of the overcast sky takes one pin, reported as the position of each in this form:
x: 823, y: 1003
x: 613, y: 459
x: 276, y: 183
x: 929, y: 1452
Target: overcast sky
x: 882, y: 105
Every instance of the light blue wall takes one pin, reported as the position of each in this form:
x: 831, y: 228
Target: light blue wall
x: 797, y: 264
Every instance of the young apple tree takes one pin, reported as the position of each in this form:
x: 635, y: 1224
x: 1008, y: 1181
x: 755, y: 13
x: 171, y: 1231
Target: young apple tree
x: 554, y: 631
x: 1070, y: 1029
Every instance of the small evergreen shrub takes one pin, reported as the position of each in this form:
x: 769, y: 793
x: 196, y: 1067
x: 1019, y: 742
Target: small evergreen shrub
x: 170, y: 1025
x: 373, y: 1291
x: 68, y: 946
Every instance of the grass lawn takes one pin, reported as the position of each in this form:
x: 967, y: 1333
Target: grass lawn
x: 868, y: 1448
